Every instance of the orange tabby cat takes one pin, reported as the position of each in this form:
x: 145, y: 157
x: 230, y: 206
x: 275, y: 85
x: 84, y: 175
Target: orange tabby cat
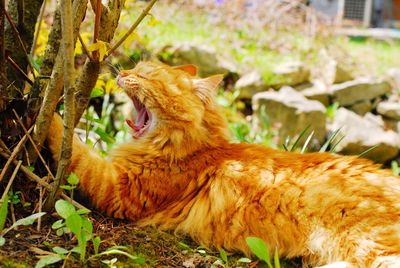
x: 181, y: 173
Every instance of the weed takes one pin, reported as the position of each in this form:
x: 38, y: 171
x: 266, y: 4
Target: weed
x: 75, y: 222
x: 261, y: 250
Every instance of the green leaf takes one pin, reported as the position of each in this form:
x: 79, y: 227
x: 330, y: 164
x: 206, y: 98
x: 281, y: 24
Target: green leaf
x: 223, y: 255
x: 60, y: 251
x: 87, y: 226
x: 367, y: 151
x: 137, y: 259
x: 329, y: 141
x: 67, y: 187
x: 60, y: 232
x: 96, y: 92
x: 260, y: 249
x: 57, y: 224
x: 35, y: 65
x: 83, y: 211
x: 294, y: 146
x: 2, y: 241
x: 64, y: 208
x: 96, y: 244
x: 82, y: 245
x: 3, y: 212
x: 244, y: 260
x: 28, y: 220
x: 106, y: 137
x: 277, y: 264
x: 73, y: 179
x: 304, y: 148
x: 50, y: 259
x: 74, y: 223
x: 395, y: 168
x: 75, y: 250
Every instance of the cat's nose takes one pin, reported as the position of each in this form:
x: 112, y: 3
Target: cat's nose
x: 123, y: 73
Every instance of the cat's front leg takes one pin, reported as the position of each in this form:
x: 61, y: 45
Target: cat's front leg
x: 99, y: 178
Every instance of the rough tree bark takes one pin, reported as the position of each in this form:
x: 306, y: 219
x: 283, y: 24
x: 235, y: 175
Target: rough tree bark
x: 25, y: 18
x: 55, y: 86
x: 53, y: 44
x: 3, y: 80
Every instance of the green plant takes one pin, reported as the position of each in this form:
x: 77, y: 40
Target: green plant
x: 222, y: 261
x: 72, y: 181
x: 261, y: 250
x: 74, y: 221
x: 331, y: 110
x: 24, y: 221
x: 395, y: 168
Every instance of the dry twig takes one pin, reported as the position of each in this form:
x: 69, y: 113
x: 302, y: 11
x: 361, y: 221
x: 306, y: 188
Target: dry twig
x: 33, y: 143
x: 11, y: 180
x: 33, y: 177
x: 133, y: 27
x: 16, y: 150
x: 84, y: 48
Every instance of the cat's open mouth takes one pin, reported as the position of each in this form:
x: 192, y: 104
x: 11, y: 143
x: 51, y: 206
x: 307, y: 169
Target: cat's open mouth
x: 143, y: 119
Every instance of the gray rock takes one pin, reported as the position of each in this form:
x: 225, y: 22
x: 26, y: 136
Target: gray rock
x: 350, y: 92
x: 362, y: 133
x: 289, y: 74
x: 318, y: 91
x: 394, y: 76
x: 292, y: 111
x: 330, y: 70
x: 389, y: 109
x: 205, y: 58
x: 361, y: 107
x: 249, y: 84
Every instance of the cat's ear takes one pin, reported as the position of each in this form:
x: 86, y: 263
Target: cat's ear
x: 206, y: 88
x: 188, y: 68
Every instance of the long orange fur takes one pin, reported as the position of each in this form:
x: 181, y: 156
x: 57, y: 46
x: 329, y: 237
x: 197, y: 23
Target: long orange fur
x: 184, y: 175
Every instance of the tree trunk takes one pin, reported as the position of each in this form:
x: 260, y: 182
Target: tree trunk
x: 24, y: 17
x: 3, y: 80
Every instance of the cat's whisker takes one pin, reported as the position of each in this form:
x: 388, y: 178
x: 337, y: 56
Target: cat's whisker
x: 114, y: 69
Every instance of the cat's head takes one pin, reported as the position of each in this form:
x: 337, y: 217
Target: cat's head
x: 175, y: 109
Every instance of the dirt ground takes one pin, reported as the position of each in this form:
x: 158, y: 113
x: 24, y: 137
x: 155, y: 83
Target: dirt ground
x: 158, y: 248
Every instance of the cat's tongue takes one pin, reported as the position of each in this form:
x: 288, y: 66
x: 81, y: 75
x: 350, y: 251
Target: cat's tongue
x: 139, y: 126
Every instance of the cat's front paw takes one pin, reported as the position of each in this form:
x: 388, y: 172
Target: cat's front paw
x: 54, y: 135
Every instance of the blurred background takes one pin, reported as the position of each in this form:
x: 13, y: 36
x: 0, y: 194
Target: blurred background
x: 312, y: 73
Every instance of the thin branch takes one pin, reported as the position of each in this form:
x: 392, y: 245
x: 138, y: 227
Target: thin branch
x: 33, y: 143
x: 20, y: 9
x: 39, y: 224
x: 33, y: 177
x: 39, y: 26
x: 69, y: 105
x: 18, y: 69
x: 11, y: 180
x: 21, y: 43
x: 14, y: 153
x: 98, y: 9
x: 4, y: 146
x: 144, y: 13
x: 84, y: 48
